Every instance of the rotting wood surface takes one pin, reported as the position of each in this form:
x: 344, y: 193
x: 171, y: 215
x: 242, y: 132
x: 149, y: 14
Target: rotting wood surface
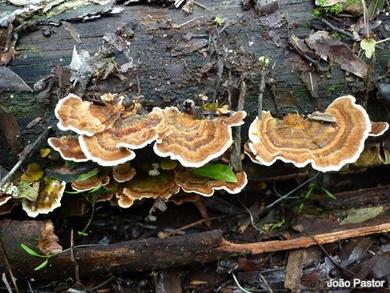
x: 169, y: 67
x: 154, y: 253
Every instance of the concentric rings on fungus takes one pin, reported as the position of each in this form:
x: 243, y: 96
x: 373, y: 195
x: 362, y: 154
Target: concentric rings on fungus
x: 123, y: 173
x: 194, y: 142
x: 142, y: 186
x: 378, y: 128
x: 84, y: 117
x: 114, y: 146
x: 189, y: 182
x: 68, y: 147
x: 326, y: 146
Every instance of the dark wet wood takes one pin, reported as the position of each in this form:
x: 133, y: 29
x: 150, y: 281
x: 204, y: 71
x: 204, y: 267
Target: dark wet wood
x: 153, y: 254
x: 168, y: 77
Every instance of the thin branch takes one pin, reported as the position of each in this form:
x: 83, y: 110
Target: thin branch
x: 261, y: 93
x: 292, y: 191
x: 235, y: 158
x: 335, y: 28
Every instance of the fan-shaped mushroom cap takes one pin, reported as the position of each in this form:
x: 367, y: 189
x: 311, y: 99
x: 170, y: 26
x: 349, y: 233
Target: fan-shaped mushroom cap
x: 49, y: 198
x: 104, y: 154
x: 113, y: 146
x: 123, y: 172
x: 68, y: 147
x: 84, y: 117
x: 378, y: 128
x: 189, y: 182
x: 91, y: 183
x: 195, y: 142
x: 162, y: 186
x: 326, y: 146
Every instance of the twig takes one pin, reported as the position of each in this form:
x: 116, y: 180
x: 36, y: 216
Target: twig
x: 265, y: 282
x: 304, y: 241
x: 335, y: 28
x: 261, y: 93
x: 25, y: 153
x: 168, y: 234
x: 235, y: 158
x: 239, y: 285
x: 243, y: 226
x: 6, y: 283
x: 200, y: 5
x: 185, y: 23
x: 76, y: 265
x: 13, y: 279
x: 292, y: 191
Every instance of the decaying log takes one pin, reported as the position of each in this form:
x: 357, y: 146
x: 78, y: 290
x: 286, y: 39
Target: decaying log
x: 153, y: 253
x: 169, y: 65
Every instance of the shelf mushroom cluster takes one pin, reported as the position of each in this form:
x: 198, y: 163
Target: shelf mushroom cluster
x: 108, y: 134
x: 169, y: 182
x: 327, y: 141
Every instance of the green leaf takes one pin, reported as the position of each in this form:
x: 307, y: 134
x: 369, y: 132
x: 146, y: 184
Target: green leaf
x: 87, y: 175
x: 216, y: 171
x: 355, y: 216
x: 368, y: 46
x: 329, y: 194
x: 42, y: 265
x: 81, y: 233
x: 31, y: 251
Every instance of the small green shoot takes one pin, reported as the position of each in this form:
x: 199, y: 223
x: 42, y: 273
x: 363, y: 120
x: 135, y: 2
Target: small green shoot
x: 263, y: 60
x: 218, y: 20
x: 216, y: 171
x: 330, y: 195
x: 43, y: 264
x: 32, y: 252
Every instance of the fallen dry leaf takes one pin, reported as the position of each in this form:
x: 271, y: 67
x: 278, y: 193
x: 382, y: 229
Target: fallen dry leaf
x: 10, y: 81
x: 10, y: 128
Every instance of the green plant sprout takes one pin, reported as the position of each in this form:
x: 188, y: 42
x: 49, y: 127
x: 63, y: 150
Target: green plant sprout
x: 263, y: 60
x: 46, y: 258
x: 309, y: 192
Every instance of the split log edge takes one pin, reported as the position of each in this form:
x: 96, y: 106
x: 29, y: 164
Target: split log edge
x: 153, y: 253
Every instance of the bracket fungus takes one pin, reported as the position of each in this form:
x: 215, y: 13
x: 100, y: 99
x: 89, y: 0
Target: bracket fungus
x: 123, y: 173
x: 327, y: 146
x: 68, y: 147
x: 91, y: 183
x: 378, y: 128
x: 114, y: 145
x: 189, y: 182
x: 84, y: 117
x: 142, y: 186
x: 49, y: 198
x: 195, y: 142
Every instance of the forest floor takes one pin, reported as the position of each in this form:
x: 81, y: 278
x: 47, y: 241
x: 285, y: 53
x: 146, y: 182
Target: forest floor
x: 289, y: 228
